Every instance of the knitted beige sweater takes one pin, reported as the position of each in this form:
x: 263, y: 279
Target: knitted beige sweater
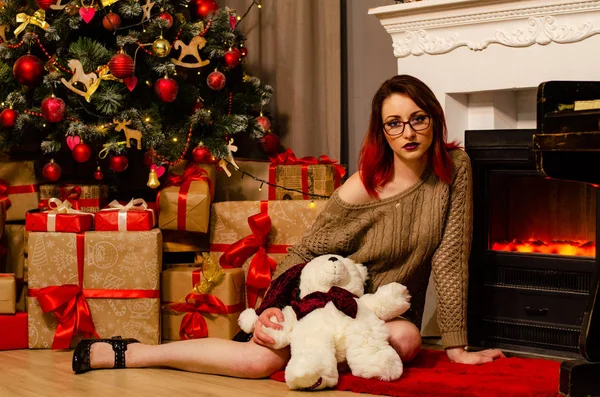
x: 402, y: 238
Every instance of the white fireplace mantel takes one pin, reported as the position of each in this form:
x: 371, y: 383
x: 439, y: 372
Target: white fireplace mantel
x: 485, y: 58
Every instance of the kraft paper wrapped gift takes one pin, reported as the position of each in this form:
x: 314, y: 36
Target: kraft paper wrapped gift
x: 8, y: 293
x: 13, y: 241
x: 229, y: 230
x: 213, y: 315
x: 19, y: 183
x: 117, y: 274
x: 13, y: 331
x: 184, y: 202
x: 4, y: 205
x: 86, y: 198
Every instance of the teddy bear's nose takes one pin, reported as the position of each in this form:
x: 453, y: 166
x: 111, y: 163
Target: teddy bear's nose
x: 333, y: 259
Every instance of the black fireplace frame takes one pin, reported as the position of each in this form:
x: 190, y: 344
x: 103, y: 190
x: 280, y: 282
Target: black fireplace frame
x: 521, y: 302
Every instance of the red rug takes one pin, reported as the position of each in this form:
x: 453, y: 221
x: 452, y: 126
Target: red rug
x: 432, y: 374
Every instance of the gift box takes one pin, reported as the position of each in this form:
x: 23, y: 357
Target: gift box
x: 213, y: 314
x: 61, y: 218
x: 8, y: 293
x: 184, y: 202
x: 86, y: 198
x: 99, y: 284
x: 13, y: 331
x: 276, y: 225
x: 19, y: 183
x: 13, y: 261
x: 133, y: 216
x: 4, y: 205
x: 318, y: 176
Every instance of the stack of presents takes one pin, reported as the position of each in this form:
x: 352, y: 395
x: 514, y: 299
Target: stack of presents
x: 76, y: 264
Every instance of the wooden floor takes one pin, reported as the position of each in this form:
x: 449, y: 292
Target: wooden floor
x: 41, y: 373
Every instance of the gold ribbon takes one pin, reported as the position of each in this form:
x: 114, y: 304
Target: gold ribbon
x: 38, y: 18
x: 106, y: 3
x: 102, y: 75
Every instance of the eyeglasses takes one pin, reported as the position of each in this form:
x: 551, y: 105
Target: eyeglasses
x: 395, y: 127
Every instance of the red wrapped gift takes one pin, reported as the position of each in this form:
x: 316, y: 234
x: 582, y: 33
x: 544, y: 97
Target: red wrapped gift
x: 61, y: 218
x: 13, y: 331
x: 86, y: 198
x: 133, y: 216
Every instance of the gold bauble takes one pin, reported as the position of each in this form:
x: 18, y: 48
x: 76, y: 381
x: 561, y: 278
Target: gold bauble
x: 161, y: 47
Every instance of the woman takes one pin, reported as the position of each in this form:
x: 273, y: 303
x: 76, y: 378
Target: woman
x: 405, y: 213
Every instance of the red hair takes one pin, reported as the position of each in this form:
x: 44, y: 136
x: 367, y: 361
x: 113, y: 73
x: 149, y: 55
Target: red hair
x: 376, y: 162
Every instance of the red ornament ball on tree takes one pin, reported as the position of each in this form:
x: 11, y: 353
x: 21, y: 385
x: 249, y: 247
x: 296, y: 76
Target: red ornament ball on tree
x: 166, y: 89
x: 98, y: 174
x: 121, y: 65
x: 264, y: 122
x: 111, y: 21
x: 51, y: 171
x: 118, y: 163
x: 8, y: 117
x: 53, y: 109
x: 202, y: 8
x: 216, y: 80
x: 81, y: 152
x: 243, y: 52
x: 270, y: 143
x: 149, y: 158
x: 45, y: 4
x: 167, y: 17
x: 197, y: 106
x: 232, y: 58
x: 28, y: 70
x: 201, y: 155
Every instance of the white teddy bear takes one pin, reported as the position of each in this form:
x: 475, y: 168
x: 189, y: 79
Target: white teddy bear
x: 329, y: 319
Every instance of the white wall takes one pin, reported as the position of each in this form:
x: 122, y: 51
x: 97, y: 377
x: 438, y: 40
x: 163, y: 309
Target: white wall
x: 371, y: 61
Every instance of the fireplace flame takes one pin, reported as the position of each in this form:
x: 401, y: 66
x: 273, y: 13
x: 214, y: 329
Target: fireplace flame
x: 561, y: 247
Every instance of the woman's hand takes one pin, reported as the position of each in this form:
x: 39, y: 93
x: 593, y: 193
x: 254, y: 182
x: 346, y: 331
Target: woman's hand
x: 460, y: 355
x: 264, y: 320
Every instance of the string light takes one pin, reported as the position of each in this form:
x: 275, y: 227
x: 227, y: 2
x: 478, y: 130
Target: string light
x: 147, y: 119
x: 175, y: 139
x: 312, y: 204
x: 260, y: 187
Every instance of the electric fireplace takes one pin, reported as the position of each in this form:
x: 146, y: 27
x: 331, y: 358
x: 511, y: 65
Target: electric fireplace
x: 534, y: 248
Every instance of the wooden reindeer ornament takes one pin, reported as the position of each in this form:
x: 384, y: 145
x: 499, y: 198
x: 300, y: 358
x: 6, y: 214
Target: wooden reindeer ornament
x: 129, y: 132
x: 229, y: 159
x: 197, y: 43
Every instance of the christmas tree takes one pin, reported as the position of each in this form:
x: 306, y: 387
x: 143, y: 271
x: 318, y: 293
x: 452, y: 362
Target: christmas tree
x: 102, y: 79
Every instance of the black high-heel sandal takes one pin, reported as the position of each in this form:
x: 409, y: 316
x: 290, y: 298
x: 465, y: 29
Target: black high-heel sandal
x: 81, y: 355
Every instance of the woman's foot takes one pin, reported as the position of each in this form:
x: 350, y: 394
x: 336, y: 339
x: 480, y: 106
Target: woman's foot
x: 102, y: 356
x: 100, y: 353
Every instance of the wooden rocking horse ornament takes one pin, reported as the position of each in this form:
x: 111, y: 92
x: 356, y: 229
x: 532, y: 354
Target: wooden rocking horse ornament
x: 197, y: 43
x: 129, y: 132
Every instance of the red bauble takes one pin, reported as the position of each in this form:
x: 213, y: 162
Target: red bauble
x: 45, y: 4
x: 270, y: 143
x: 166, y: 89
x: 202, y: 8
x: 81, y: 152
x: 51, y: 171
x: 167, y: 17
x: 264, y: 122
x: 53, y: 109
x: 202, y: 155
x: 232, y: 58
x: 98, y: 174
x: 149, y: 158
x: 118, y: 163
x: 197, y: 106
x: 121, y: 65
x: 111, y: 21
x: 28, y: 70
x: 216, y: 80
x: 8, y: 117
x: 244, y: 52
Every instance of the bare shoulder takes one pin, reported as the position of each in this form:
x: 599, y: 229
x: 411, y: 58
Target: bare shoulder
x: 353, y: 191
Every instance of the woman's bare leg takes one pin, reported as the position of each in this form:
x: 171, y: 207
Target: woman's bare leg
x: 405, y: 338
x: 208, y: 356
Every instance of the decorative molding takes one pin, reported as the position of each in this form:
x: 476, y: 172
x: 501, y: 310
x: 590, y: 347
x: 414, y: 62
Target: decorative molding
x: 487, y: 17
x: 542, y: 30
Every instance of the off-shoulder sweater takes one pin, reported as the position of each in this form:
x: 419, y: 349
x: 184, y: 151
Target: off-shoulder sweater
x: 403, y: 238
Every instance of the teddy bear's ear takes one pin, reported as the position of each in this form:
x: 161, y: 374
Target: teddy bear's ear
x: 362, y: 270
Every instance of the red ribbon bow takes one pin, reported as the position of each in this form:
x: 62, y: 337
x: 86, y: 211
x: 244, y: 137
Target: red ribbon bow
x: 72, y: 312
x: 192, y: 173
x: 261, y: 266
x: 193, y: 325
x: 72, y: 195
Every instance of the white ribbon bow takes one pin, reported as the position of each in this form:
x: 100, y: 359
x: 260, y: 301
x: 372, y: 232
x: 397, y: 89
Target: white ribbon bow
x: 133, y: 205
x: 58, y: 206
